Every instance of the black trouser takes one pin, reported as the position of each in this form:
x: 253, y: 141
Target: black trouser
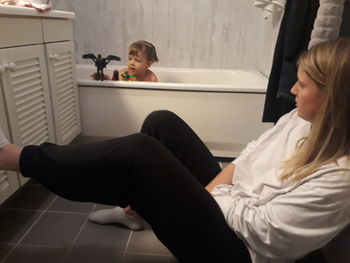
x: 160, y: 172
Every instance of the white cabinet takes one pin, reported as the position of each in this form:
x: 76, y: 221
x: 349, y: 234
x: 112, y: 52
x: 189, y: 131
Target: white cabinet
x: 39, y: 96
x: 8, y: 184
x: 8, y: 180
x: 26, y: 95
x: 59, y: 47
x: 64, y: 93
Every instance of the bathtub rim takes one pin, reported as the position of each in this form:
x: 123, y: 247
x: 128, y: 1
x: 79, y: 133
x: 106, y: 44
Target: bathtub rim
x: 171, y: 86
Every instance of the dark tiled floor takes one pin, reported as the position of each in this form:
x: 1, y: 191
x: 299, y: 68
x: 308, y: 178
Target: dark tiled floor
x: 37, y: 226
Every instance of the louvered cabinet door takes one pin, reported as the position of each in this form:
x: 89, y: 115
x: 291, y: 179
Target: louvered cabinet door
x: 64, y: 90
x: 26, y: 95
x: 8, y: 184
x: 8, y: 180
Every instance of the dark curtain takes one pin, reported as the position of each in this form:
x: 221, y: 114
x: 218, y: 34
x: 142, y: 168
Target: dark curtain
x: 293, y: 38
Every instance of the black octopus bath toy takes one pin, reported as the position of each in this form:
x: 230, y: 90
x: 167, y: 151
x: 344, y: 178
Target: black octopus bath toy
x: 101, y: 63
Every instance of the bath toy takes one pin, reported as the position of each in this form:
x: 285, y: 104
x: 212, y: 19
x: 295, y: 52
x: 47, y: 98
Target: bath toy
x: 127, y: 76
x: 115, y: 75
x: 101, y: 63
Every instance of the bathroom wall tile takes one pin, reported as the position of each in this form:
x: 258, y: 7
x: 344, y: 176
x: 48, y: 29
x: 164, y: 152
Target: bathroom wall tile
x: 187, y: 33
x: 178, y: 23
x: 223, y: 34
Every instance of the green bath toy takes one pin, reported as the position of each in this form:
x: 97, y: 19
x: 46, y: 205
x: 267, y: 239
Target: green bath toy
x: 127, y: 76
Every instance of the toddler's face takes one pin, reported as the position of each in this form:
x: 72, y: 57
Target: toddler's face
x: 138, y: 64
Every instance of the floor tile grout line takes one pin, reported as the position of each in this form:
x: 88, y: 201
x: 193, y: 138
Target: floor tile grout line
x: 29, y: 209
x: 40, y: 246
x: 126, y: 246
x: 42, y: 212
x: 50, y: 204
x: 66, y: 212
x: 148, y: 254
x: 8, y: 254
x: 128, y: 242
x: 82, y: 226
x: 22, y: 209
x: 77, y: 235
x: 23, y: 236
x: 48, y: 211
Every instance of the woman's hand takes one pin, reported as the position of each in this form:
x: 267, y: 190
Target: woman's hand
x: 224, y: 177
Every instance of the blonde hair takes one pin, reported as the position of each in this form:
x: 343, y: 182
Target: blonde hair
x: 328, y: 65
x: 145, y: 47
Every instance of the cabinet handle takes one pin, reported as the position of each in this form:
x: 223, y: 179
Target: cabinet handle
x: 53, y: 57
x: 12, y: 66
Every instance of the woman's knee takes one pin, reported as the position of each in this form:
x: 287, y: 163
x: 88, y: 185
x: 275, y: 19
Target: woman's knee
x: 140, y: 144
x: 158, y: 119
x: 149, y: 158
x: 160, y: 115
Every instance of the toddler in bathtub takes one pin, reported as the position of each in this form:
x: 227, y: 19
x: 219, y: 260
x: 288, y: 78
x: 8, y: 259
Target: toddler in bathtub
x: 142, y: 55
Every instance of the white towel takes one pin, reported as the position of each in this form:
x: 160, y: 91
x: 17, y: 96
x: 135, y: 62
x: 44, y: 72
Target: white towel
x: 270, y: 6
x: 40, y: 5
x: 327, y: 22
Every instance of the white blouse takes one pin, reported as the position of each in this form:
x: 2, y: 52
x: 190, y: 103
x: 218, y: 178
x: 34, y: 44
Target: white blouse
x: 280, y: 222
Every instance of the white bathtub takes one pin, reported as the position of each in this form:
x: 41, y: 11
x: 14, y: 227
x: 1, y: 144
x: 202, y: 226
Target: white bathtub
x: 223, y: 106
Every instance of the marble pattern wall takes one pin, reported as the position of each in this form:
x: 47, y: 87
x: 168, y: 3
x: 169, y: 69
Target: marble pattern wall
x: 187, y: 33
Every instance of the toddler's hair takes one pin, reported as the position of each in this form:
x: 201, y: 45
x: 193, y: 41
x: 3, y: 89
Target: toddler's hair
x: 146, y: 47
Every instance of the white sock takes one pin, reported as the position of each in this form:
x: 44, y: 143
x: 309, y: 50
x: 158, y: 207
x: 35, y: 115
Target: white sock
x: 116, y: 215
x: 3, y: 139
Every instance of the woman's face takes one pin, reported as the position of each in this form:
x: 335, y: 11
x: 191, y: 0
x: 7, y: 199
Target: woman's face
x: 308, y: 96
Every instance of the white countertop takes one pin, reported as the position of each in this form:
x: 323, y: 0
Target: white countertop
x: 28, y: 11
